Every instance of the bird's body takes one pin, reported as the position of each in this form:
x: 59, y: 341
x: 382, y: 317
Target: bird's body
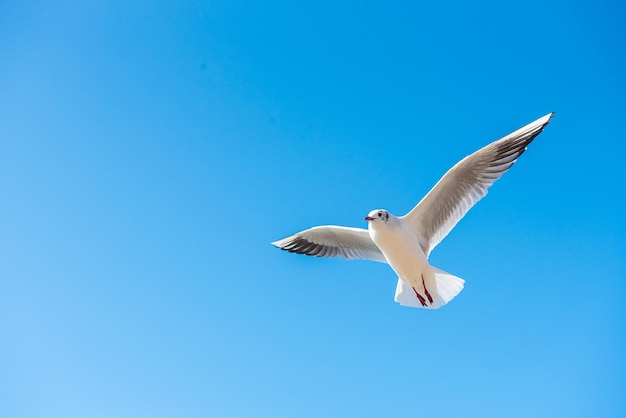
x: 401, y: 249
x: 404, y: 255
x: 405, y: 242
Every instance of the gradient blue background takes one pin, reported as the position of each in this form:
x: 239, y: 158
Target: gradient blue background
x: 151, y: 151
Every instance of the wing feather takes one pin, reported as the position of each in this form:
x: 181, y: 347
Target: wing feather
x: 333, y: 241
x: 466, y: 183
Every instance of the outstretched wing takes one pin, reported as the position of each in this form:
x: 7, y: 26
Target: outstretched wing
x: 466, y: 183
x: 333, y: 241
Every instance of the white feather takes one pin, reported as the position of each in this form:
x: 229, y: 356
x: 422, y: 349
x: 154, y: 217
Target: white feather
x: 405, y: 242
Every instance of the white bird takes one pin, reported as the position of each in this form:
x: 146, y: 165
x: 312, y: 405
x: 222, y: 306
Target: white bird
x: 405, y: 242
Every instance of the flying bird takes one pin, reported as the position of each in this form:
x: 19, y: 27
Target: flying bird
x: 405, y: 242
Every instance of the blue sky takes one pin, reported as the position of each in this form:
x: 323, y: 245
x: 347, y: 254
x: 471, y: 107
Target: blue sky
x: 151, y: 151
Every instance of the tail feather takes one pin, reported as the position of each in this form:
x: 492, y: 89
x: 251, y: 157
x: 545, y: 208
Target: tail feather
x: 448, y: 286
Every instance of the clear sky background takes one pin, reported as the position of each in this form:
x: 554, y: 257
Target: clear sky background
x: 151, y: 151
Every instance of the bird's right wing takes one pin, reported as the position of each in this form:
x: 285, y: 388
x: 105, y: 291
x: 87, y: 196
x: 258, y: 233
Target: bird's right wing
x: 333, y: 241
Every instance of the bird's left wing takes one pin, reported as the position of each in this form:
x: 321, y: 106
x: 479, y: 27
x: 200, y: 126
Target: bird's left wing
x: 466, y: 183
x: 333, y: 241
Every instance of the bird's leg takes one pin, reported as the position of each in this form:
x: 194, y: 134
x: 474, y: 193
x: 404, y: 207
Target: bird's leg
x: 430, y: 298
x: 420, y: 297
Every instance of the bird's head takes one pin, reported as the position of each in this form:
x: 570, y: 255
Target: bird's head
x: 378, y: 215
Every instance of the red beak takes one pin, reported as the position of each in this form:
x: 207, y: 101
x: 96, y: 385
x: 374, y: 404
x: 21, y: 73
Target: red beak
x: 369, y: 218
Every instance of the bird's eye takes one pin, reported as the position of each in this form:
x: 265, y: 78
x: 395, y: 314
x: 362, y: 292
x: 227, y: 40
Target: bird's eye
x: 380, y: 214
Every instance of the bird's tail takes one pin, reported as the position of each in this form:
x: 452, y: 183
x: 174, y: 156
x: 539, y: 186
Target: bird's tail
x: 448, y: 286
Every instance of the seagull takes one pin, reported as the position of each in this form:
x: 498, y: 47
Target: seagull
x: 405, y: 242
